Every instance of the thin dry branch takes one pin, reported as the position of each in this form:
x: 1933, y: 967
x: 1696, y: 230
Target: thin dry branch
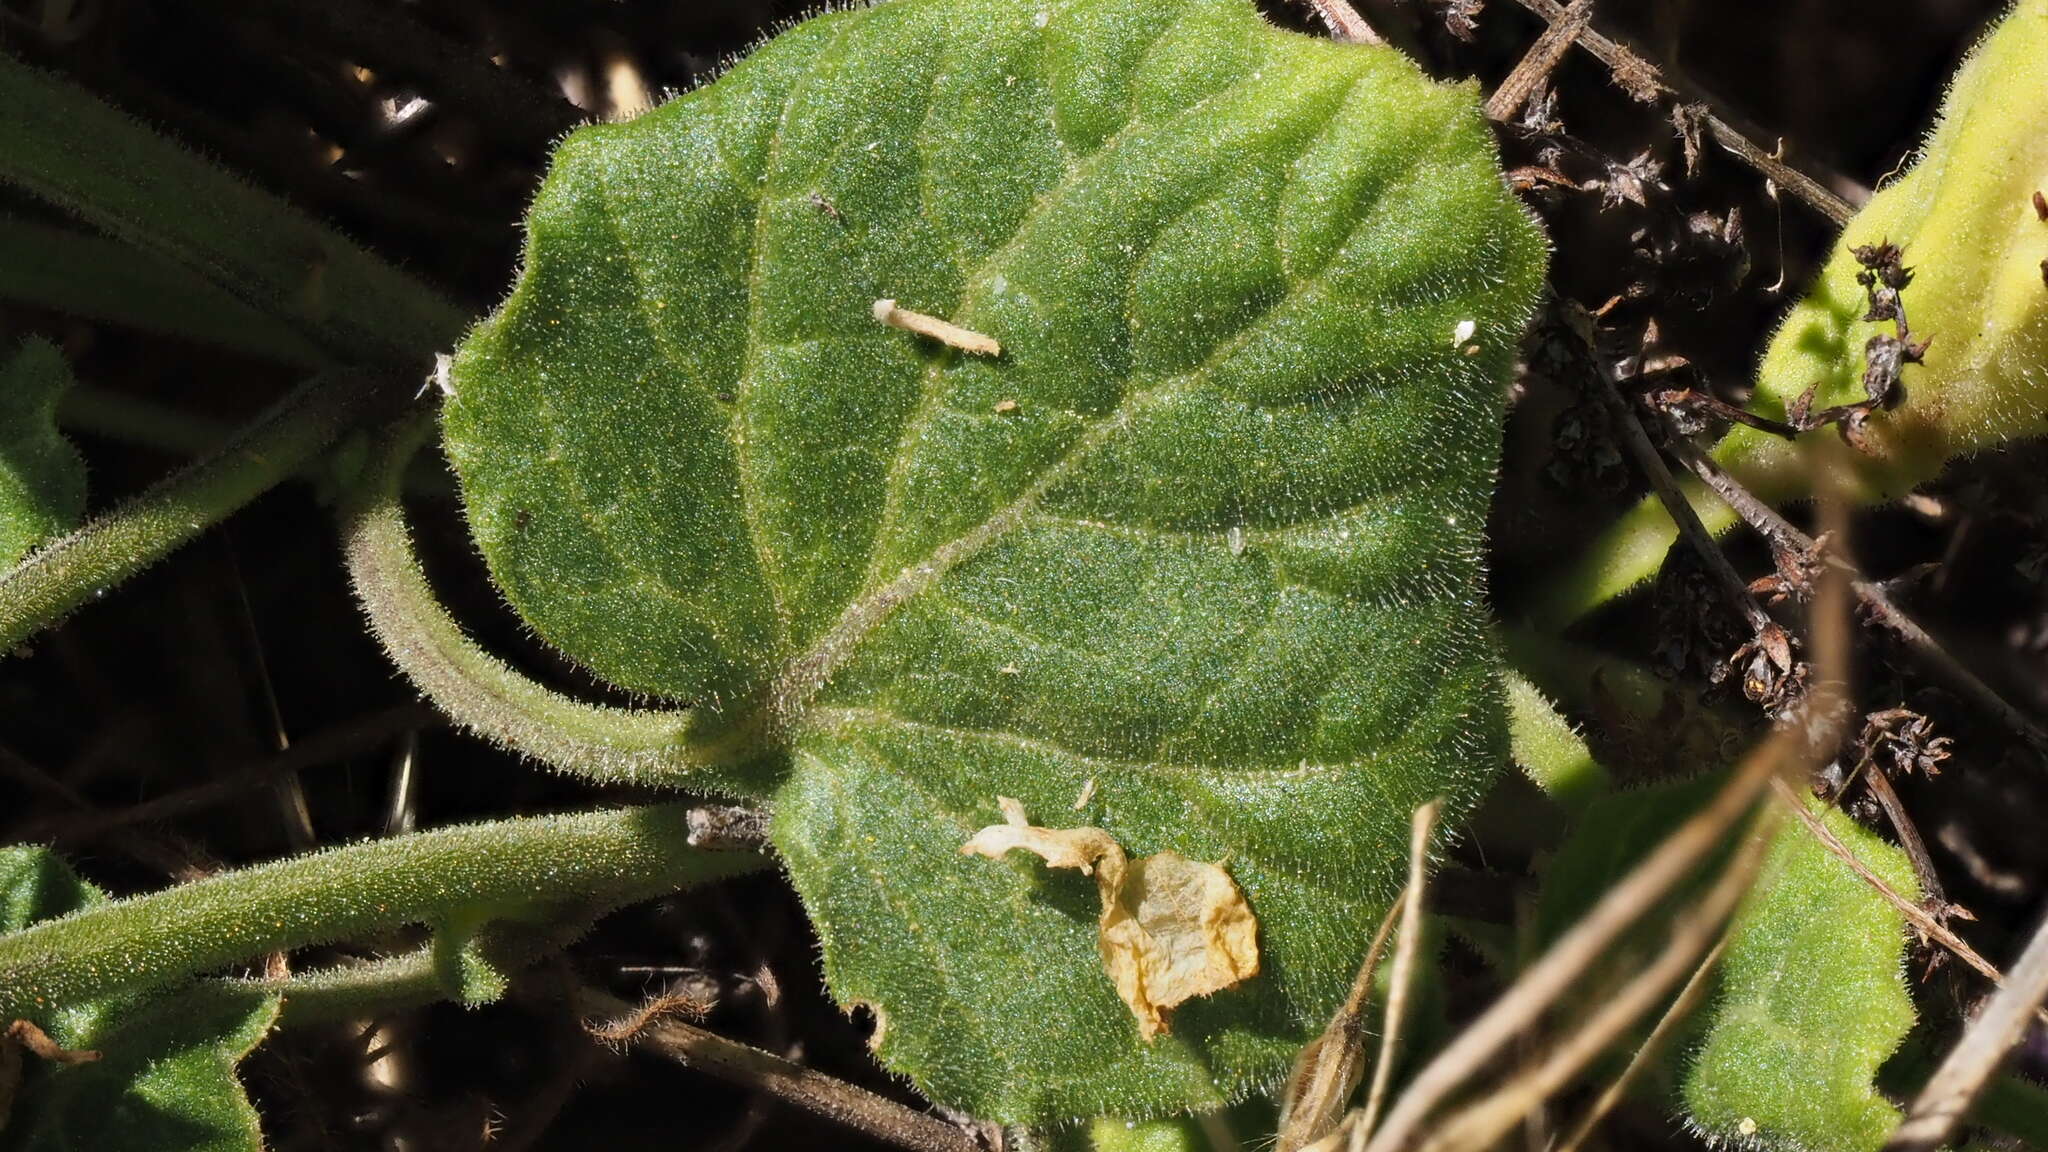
x: 1947, y: 1096
x: 1642, y: 81
x: 1788, y: 541
x: 1645, y: 454
x: 1537, y: 62
x: 1344, y: 22
x: 1581, y: 947
x: 1407, y: 953
x: 811, y: 1090
x: 1920, y: 918
x: 1915, y: 848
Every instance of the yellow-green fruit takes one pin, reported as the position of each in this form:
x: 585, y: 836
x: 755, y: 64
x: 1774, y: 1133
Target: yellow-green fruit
x: 1965, y: 217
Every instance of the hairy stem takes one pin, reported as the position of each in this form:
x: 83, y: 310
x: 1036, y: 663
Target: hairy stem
x: 146, y: 191
x: 50, y: 583
x: 463, y: 875
x: 484, y: 694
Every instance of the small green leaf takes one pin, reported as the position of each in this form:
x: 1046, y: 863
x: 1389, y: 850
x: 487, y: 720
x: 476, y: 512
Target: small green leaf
x: 42, y: 477
x: 1810, y: 998
x: 1548, y: 748
x: 165, y: 1080
x: 1812, y: 1001
x: 1206, y: 534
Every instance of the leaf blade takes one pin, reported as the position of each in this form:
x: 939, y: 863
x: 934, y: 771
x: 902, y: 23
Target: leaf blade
x: 1207, y: 531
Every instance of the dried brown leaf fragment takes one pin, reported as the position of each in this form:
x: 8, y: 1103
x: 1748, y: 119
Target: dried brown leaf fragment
x: 1170, y: 929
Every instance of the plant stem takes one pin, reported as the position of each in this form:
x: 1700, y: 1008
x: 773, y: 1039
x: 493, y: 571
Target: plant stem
x: 86, y: 275
x: 806, y: 1088
x: 146, y: 191
x: 1637, y: 76
x: 489, y: 697
x: 70, y: 571
x: 466, y: 874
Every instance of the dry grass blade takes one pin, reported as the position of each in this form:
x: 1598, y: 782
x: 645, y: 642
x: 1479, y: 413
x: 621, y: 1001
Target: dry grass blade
x: 1407, y: 953
x: 1948, y: 1094
x: 1582, y: 946
x: 1331, y: 1065
x: 813, y: 1091
x: 1688, y: 998
x: 1479, y: 1126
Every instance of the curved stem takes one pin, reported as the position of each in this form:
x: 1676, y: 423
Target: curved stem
x: 50, y: 583
x: 457, y: 875
x: 492, y: 699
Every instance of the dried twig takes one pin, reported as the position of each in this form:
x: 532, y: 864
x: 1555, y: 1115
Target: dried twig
x: 1581, y: 947
x: 1921, y: 919
x: 1637, y: 441
x: 1915, y: 848
x: 1788, y: 542
x: 1344, y: 22
x: 811, y: 1090
x: 1407, y: 952
x: 1542, y: 56
x: 1769, y: 674
x: 1948, y: 1094
x: 1641, y: 81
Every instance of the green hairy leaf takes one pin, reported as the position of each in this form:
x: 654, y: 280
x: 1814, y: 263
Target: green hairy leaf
x: 42, y: 477
x: 1810, y: 998
x: 165, y: 1077
x: 1202, y: 542
x: 1964, y: 216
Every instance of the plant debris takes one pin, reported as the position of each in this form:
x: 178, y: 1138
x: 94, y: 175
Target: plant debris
x: 1171, y: 928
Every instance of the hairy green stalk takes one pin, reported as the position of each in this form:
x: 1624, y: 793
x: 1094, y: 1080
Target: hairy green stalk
x: 476, y: 689
x: 71, y: 571
x: 456, y: 875
x: 85, y: 275
x: 66, y: 146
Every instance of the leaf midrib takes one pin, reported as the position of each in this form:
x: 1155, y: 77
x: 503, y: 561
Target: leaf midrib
x: 800, y: 681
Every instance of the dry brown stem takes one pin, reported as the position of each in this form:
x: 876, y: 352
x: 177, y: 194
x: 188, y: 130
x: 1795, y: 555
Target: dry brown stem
x: 1640, y: 80
x: 813, y: 1091
x: 1947, y: 1096
x: 1407, y: 953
